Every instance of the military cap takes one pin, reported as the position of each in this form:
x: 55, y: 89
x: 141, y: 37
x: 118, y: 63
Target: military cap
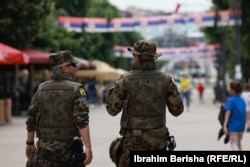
x: 61, y: 57
x: 145, y: 47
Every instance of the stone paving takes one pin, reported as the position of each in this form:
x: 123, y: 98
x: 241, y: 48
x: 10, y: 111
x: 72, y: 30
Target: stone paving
x: 195, y: 129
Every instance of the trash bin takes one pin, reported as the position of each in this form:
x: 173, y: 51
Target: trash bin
x: 2, y: 116
x: 8, y: 111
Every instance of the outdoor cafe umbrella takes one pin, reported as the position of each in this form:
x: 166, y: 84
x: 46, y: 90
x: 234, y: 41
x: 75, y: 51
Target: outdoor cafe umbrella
x: 40, y: 57
x: 103, y: 71
x: 12, y: 56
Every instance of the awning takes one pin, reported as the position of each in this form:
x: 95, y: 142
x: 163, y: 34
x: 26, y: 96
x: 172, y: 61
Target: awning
x: 84, y: 64
x: 40, y: 57
x: 103, y: 71
x: 10, y: 55
x: 37, y: 57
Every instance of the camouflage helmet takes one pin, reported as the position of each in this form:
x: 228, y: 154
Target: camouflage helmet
x: 115, y: 150
x: 61, y: 57
x: 145, y: 47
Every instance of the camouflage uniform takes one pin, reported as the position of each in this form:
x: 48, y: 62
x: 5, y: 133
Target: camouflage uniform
x: 57, y: 109
x: 142, y: 95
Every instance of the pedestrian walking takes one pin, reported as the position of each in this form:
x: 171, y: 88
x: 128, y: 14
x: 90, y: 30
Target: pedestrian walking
x: 142, y: 95
x: 246, y: 97
x: 200, y: 88
x: 220, y: 92
x: 99, y: 89
x: 186, y: 90
x: 92, y: 91
x: 235, y: 116
x: 59, y: 117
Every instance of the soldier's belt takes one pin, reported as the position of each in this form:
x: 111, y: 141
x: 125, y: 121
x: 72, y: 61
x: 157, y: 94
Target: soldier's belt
x: 159, y: 133
x: 134, y: 132
x: 55, y: 138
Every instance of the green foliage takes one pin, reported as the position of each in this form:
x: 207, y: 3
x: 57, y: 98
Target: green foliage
x: 245, y: 38
x: 126, y: 39
x: 86, y: 45
x: 224, y: 35
x: 22, y: 20
x: 221, y: 4
x: 31, y: 23
x: 229, y: 33
x: 73, y: 7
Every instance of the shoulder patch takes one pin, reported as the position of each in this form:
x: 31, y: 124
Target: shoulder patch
x: 82, y: 91
x: 84, y: 101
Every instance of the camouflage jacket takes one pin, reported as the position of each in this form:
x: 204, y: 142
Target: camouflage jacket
x: 79, y: 111
x: 143, y: 94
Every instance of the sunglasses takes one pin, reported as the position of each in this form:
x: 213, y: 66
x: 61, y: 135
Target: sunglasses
x: 71, y: 64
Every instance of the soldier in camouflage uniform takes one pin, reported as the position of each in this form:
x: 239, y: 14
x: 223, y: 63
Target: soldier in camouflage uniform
x: 58, y: 112
x: 142, y: 95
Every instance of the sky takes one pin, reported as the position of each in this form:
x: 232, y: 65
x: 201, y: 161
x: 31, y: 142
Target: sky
x: 190, y: 6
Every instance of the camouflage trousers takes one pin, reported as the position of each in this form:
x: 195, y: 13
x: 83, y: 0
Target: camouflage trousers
x: 146, y: 142
x: 38, y: 161
x: 49, y: 154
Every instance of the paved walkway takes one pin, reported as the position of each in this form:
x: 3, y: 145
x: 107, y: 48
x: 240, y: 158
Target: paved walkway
x: 193, y: 130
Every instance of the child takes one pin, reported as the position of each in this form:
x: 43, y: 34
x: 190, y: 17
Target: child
x: 235, y: 116
x: 200, y: 89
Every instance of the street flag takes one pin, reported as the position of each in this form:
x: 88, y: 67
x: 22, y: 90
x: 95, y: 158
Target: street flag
x: 177, y: 8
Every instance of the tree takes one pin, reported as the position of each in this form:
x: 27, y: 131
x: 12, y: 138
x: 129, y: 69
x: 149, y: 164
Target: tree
x: 245, y: 38
x: 54, y: 38
x: 73, y: 7
x: 32, y: 24
x: 231, y: 33
x: 225, y: 36
x: 98, y: 45
x: 21, y: 20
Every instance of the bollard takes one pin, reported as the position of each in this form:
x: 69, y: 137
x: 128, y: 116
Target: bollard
x: 2, y: 116
x: 8, y: 111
